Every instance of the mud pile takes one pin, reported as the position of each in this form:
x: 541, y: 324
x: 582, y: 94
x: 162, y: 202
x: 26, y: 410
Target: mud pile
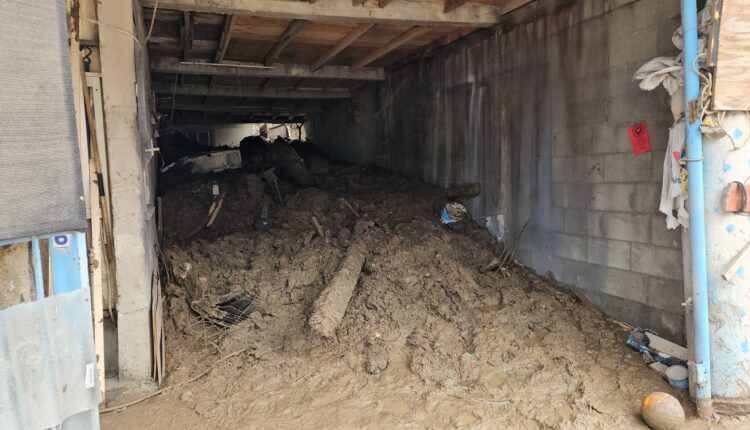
x: 428, y: 339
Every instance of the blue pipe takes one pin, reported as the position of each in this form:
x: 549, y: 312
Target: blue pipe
x: 701, y: 369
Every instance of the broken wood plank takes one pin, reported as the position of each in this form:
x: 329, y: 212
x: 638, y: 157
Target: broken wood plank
x: 399, y: 40
x: 284, y: 40
x: 342, y: 44
x: 330, y: 307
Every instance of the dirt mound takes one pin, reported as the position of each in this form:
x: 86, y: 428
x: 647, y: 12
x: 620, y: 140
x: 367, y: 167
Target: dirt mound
x: 427, y: 341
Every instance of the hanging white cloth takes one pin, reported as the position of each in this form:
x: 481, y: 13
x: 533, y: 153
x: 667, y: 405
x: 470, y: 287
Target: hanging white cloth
x: 674, y: 185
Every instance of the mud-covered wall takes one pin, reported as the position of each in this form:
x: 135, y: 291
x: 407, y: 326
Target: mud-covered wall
x: 562, y: 73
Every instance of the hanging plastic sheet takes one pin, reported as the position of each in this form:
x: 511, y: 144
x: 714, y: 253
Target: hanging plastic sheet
x: 48, y: 365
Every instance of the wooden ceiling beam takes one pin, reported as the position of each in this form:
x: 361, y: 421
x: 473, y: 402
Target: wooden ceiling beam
x: 342, y: 44
x: 285, y: 39
x: 451, y: 5
x: 271, y: 110
x: 234, y: 91
x: 226, y: 36
x: 186, y: 35
x: 173, y: 65
x: 397, y: 13
x: 399, y: 40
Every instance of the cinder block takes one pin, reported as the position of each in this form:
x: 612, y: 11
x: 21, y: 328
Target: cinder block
x: 669, y: 325
x: 656, y: 261
x: 621, y: 226
x: 657, y: 166
x: 610, y: 253
x: 574, y: 140
x: 662, y: 236
x: 612, y: 139
x: 627, y: 168
x: 568, y: 246
x: 571, y: 196
x: 543, y: 262
x: 613, y: 197
x: 666, y: 294
x: 550, y: 219
x: 647, y: 197
x: 621, y: 283
x: 557, y: 170
x: 637, y: 106
x: 577, y: 222
x: 627, y: 46
x: 584, y: 169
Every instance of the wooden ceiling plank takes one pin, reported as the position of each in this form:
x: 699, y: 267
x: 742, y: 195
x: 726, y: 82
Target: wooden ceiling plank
x: 173, y: 65
x: 342, y: 44
x: 451, y: 5
x: 226, y: 36
x: 186, y: 35
x: 234, y: 91
x: 286, y: 38
x: 399, y: 40
x: 401, y: 12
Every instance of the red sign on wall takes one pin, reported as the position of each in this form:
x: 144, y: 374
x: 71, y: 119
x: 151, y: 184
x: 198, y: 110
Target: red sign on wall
x: 639, y: 139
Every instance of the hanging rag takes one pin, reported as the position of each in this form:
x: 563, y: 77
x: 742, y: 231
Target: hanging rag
x: 674, y: 180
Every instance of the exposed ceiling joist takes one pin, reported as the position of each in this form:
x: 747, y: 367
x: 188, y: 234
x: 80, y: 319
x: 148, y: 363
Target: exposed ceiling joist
x: 399, y: 40
x: 342, y: 44
x: 285, y: 39
x: 226, y: 35
x: 187, y: 35
x: 172, y: 65
x: 229, y: 91
x: 243, y: 109
x: 451, y: 5
x: 402, y: 12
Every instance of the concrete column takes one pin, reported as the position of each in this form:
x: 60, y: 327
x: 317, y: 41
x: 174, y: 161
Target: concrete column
x: 728, y: 301
x: 128, y: 164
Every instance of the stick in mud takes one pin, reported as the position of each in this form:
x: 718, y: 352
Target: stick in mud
x: 319, y: 229
x: 330, y: 307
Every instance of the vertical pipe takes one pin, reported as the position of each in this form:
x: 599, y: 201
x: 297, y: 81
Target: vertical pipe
x: 700, y: 370
x: 36, y: 263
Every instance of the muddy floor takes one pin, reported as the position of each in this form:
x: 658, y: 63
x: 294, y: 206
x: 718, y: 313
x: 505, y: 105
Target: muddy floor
x: 429, y: 340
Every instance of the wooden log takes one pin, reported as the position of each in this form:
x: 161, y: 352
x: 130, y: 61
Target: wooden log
x: 330, y: 307
x: 463, y: 190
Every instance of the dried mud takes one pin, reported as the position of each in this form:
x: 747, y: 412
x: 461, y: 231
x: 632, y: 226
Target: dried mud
x: 427, y: 341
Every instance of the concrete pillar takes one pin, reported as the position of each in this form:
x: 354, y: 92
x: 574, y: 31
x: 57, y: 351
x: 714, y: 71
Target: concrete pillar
x: 728, y: 301
x: 130, y: 195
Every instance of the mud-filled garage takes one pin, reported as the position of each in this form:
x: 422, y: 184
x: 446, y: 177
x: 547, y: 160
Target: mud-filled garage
x: 416, y: 213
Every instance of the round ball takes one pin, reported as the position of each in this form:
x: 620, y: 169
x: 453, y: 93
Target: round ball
x: 662, y: 411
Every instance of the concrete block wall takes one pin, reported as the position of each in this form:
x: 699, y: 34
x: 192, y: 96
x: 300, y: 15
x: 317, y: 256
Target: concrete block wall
x: 562, y: 73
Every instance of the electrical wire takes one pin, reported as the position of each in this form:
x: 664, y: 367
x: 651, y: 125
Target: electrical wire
x: 119, y: 30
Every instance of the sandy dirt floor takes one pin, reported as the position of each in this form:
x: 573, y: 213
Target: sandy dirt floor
x: 429, y: 341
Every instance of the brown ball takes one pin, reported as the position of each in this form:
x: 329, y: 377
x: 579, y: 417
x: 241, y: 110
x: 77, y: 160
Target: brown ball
x: 662, y: 411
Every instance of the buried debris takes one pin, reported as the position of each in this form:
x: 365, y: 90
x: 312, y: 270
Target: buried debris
x: 236, y: 309
x: 453, y: 212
